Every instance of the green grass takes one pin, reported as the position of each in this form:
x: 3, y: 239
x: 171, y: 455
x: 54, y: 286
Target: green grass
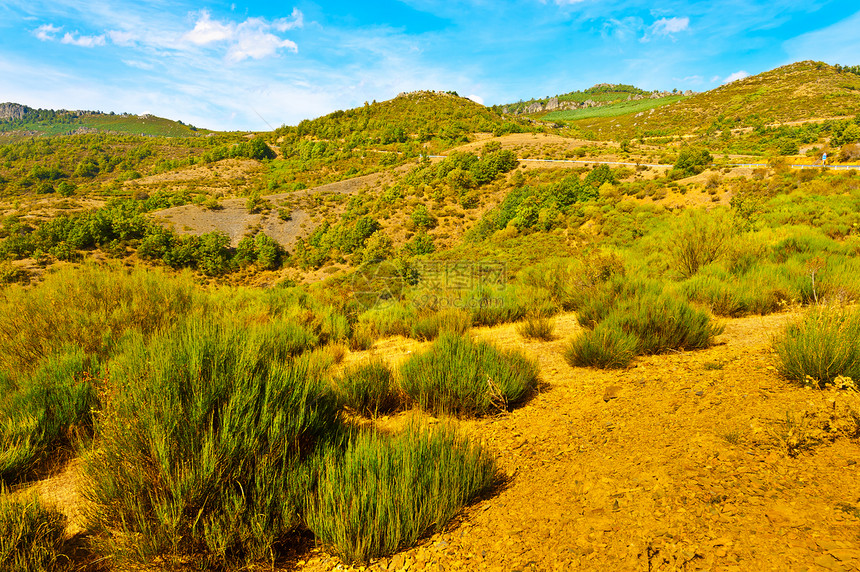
x: 44, y: 411
x: 461, y: 377
x: 431, y: 326
x: 368, y: 388
x: 821, y: 347
x: 611, y: 110
x: 381, y: 494
x: 31, y: 536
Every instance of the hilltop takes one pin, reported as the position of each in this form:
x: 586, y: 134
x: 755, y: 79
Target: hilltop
x: 17, y: 121
x: 801, y: 91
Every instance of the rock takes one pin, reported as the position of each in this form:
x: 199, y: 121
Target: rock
x: 13, y: 111
x: 612, y: 392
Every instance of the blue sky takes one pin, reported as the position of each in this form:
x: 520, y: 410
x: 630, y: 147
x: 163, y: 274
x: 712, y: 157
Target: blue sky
x: 256, y: 65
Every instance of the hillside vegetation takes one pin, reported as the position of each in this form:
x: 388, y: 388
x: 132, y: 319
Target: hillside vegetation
x: 244, y: 351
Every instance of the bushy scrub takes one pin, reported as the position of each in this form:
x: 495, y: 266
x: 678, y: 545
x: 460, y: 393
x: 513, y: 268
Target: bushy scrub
x: 821, y: 347
x: 377, y: 496
x: 368, y: 388
x: 462, y: 377
x: 90, y: 308
x: 645, y: 322
x: 31, y: 536
x: 201, y: 444
x: 537, y: 326
x: 430, y: 326
x: 606, y: 346
x: 490, y: 306
x: 41, y: 411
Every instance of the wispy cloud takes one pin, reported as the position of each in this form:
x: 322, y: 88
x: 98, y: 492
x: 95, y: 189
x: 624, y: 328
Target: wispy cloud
x: 736, y: 76
x: 83, y: 41
x: 47, y: 32
x: 667, y: 26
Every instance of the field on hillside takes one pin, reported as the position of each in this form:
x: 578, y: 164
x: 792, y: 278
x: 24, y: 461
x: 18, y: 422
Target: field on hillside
x: 615, y: 351
x: 614, y: 110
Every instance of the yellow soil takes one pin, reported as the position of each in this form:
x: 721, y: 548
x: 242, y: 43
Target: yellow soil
x: 679, y: 462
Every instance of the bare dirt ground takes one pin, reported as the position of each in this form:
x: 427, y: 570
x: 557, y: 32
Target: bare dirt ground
x: 703, y: 460
x: 682, y: 462
x: 234, y: 219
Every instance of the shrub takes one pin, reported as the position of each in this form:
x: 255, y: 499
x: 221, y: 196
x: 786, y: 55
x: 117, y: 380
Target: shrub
x: 821, y: 347
x: 537, y: 326
x: 606, y: 346
x: 201, y: 445
x: 663, y: 322
x: 31, y: 536
x: 377, y: 496
x: 462, y: 377
x: 367, y: 388
x: 89, y: 308
x: 701, y: 239
x: 692, y: 161
x: 39, y: 412
x: 490, y: 307
x: 429, y: 327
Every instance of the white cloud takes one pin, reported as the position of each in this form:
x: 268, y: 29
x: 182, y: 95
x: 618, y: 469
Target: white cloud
x: 207, y: 31
x: 715, y: 79
x: 476, y: 98
x: 666, y: 26
x: 83, y: 41
x: 251, y: 39
x: 296, y: 20
x: 47, y: 32
x: 121, y: 38
x: 736, y: 76
x: 139, y: 64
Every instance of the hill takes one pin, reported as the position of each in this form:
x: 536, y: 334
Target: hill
x: 17, y: 121
x: 797, y: 92
x: 599, y: 95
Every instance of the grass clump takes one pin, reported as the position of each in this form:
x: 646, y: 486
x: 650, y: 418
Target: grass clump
x: 821, y: 347
x: 201, y: 445
x: 606, y: 346
x: 31, y: 536
x: 43, y: 412
x: 462, y: 377
x: 368, y: 388
x: 377, y: 496
x: 647, y: 323
x: 429, y: 327
x: 537, y: 326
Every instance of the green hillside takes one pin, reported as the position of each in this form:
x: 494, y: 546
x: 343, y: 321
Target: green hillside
x: 45, y: 122
x: 796, y: 92
x: 603, y: 93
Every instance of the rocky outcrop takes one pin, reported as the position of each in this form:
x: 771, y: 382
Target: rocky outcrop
x: 12, y: 111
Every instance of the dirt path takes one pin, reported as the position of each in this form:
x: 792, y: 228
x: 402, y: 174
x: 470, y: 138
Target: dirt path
x: 678, y: 463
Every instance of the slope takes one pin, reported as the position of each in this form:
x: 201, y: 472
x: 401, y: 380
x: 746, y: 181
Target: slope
x: 797, y: 92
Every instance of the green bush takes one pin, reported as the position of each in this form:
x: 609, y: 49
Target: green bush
x: 606, y: 346
x: 90, y: 308
x: 201, y: 446
x: 429, y: 327
x: 31, y: 536
x: 367, y: 388
x: 377, y: 496
x: 537, y: 326
x: 821, y: 347
x: 462, y: 377
x: 490, y: 307
x: 701, y: 239
x: 663, y: 323
x: 41, y: 412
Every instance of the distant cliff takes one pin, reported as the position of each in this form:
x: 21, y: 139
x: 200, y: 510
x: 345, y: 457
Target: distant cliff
x: 13, y: 111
